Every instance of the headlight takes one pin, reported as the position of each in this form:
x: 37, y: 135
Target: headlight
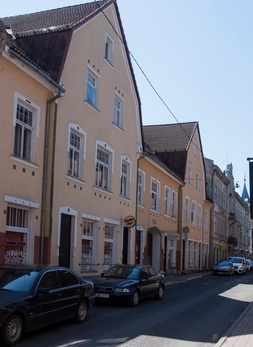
x: 122, y: 290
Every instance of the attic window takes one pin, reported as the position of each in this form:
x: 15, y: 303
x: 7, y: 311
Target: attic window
x: 109, y: 47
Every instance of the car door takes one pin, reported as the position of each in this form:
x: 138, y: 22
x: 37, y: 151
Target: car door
x: 45, y: 306
x: 146, y: 282
x: 154, y: 278
x: 70, y: 292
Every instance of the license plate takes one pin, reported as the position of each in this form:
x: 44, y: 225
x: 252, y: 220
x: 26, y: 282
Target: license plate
x: 100, y: 295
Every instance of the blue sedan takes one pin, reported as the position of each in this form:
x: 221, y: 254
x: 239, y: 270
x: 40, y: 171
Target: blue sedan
x: 129, y: 284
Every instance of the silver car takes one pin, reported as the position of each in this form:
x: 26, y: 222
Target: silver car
x: 239, y: 264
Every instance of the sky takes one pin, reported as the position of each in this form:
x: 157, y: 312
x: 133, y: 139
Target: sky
x: 193, y: 61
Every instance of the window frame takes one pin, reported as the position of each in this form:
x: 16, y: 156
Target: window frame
x: 118, y: 111
x: 167, y: 196
x: 154, y: 195
x: 125, y: 177
x: 92, y: 88
x: 109, y: 48
x: 81, y: 133
x: 141, y: 187
x: 108, y: 151
x: 33, y: 129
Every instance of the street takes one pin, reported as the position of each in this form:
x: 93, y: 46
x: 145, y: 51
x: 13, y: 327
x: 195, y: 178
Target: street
x: 193, y: 313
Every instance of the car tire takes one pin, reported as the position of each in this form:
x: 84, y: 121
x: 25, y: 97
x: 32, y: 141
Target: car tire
x: 135, y: 298
x: 12, y: 330
x: 81, y: 311
x: 160, y: 293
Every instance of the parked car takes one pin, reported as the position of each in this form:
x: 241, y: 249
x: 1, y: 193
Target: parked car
x: 239, y: 264
x: 129, y: 284
x: 224, y: 267
x: 34, y: 296
x: 251, y: 265
x: 248, y: 265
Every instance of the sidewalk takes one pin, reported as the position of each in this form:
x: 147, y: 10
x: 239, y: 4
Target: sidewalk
x: 241, y: 332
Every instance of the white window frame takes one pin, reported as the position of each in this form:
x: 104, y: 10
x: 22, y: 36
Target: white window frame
x: 118, y: 111
x: 154, y: 194
x: 190, y: 175
x: 193, y: 212
x: 205, y: 220
x: 107, y: 262
x: 109, y: 48
x: 167, y: 192
x: 199, y: 216
x: 141, y: 187
x: 125, y: 176
x: 197, y: 181
x: 187, y: 210
x: 104, y: 170
x: 174, y: 205
x: 92, y: 88
x: 33, y: 129
x: 81, y: 133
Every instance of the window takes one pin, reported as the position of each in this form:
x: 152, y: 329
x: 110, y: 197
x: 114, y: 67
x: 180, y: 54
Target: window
x: 174, y: 205
x: 74, y: 154
x: 190, y: 175
x: 87, y: 246
x: 17, y: 219
x: 108, y: 48
x: 193, y: 213
x: 167, y: 201
x: 154, y: 194
x: 76, y: 149
x: 108, y: 246
x: 103, y: 168
x: 140, y: 196
x: 197, y: 181
x: 92, y: 90
x: 187, y: 210
x: 205, y: 220
x: 26, y: 122
x: 125, y: 179
x: 118, y: 112
x: 199, y: 216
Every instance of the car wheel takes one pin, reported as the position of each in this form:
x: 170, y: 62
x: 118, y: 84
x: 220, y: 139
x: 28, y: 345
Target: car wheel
x: 160, y: 293
x: 13, y: 330
x: 81, y: 311
x: 135, y: 298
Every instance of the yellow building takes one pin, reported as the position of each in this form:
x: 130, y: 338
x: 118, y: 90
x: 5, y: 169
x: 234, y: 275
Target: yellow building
x: 87, y: 185
x: 179, y: 147
x: 24, y: 94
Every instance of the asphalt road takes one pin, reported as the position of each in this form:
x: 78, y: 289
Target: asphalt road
x: 191, y: 314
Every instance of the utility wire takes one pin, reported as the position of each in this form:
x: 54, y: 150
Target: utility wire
x: 145, y: 75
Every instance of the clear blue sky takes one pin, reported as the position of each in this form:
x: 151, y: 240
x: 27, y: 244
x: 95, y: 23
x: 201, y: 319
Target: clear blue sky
x: 198, y: 56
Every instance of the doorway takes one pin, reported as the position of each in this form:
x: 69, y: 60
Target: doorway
x: 65, y: 240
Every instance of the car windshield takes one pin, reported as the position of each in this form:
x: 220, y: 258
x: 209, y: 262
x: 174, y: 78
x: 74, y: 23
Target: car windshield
x: 224, y: 263
x: 123, y: 272
x: 17, y: 280
x: 235, y: 260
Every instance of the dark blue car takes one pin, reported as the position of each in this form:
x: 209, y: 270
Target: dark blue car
x: 32, y: 297
x: 129, y: 284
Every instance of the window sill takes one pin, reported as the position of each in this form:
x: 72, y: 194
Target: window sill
x: 75, y: 179
x: 23, y: 161
x: 92, y: 107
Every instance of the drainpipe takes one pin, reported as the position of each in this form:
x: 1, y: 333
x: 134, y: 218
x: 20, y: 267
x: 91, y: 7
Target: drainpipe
x: 45, y: 175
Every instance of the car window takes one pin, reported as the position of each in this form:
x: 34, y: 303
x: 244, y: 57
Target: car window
x: 17, y: 280
x: 152, y: 271
x: 145, y: 272
x: 48, y: 281
x: 67, y: 278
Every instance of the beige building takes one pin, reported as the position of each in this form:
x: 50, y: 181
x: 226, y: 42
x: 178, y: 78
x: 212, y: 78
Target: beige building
x: 179, y: 147
x: 87, y: 185
x: 24, y: 93
x: 157, y: 231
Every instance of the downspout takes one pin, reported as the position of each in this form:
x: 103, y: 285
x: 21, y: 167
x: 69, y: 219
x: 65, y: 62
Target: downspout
x: 45, y: 175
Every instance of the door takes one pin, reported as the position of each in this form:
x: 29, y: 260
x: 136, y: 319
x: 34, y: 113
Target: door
x: 65, y: 233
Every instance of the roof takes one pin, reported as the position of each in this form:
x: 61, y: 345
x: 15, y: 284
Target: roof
x: 169, y: 137
x: 59, y: 19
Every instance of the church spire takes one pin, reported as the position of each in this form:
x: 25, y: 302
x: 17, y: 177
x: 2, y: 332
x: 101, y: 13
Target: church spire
x: 245, y: 194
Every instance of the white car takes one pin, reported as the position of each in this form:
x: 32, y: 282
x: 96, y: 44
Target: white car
x: 239, y: 264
